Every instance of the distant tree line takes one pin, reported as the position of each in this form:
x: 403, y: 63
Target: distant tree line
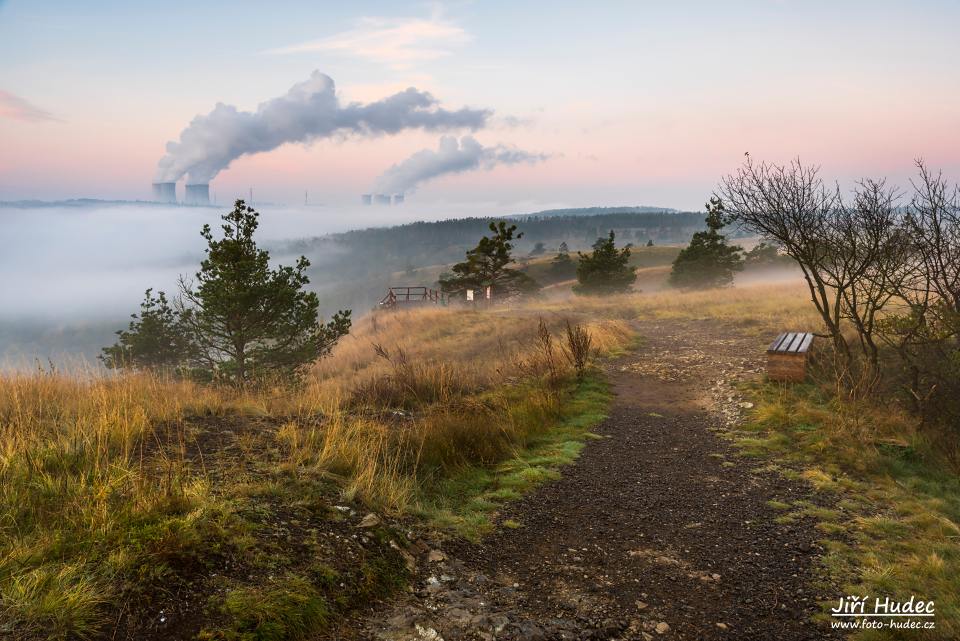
x: 353, y: 269
x: 431, y: 243
x: 605, y: 270
x: 594, y: 211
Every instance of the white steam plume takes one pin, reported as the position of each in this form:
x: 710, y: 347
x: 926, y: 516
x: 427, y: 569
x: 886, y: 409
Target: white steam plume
x: 452, y: 156
x: 310, y: 110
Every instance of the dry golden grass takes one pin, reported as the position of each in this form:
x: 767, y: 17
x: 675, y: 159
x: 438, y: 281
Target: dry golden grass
x: 775, y: 304
x: 411, y: 396
x: 95, y: 491
x: 74, y: 483
x: 473, y: 347
x: 764, y: 305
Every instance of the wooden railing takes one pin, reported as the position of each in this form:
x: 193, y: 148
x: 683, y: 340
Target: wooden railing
x: 412, y: 296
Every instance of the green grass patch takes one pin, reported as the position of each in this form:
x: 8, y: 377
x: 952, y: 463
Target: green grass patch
x: 892, y: 530
x: 468, y: 501
x: 289, y: 609
x: 72, y: 546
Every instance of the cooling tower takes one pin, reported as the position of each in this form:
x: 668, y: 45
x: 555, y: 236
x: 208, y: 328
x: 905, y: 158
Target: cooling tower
x: 165, y: 192
x: 398, y: 199
x: 197, y: 194
x: 382, y: 199
x: 366, y: 199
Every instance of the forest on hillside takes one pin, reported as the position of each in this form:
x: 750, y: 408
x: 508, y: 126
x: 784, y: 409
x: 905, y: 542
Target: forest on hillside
x: 354, y: 268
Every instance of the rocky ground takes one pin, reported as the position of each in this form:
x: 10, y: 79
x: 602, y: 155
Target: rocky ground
x: 659, y: 531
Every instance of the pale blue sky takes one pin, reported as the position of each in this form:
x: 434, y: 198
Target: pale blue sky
x: 634, y: 102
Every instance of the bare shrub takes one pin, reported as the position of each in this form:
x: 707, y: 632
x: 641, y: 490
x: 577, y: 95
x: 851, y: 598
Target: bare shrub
x: 855, y: 257
x: 578, y: 351
x: 884, y: 277
x: 793, y: 206
x: 541, y: 358
x: 924, y: 330
x: 546, y: 350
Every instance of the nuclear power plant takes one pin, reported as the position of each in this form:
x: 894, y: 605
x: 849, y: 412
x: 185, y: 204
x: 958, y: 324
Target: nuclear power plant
x: 198, y: 194
x: 165, y: 192
x: 381, y: 199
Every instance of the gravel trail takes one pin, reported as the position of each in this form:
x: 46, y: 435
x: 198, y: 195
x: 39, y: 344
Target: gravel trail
x: 658, y: 531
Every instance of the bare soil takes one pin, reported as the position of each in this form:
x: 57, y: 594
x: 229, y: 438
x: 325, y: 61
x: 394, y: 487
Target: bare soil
x: 659, y: 531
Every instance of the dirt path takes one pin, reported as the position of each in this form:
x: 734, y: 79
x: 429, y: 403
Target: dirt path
x: 658, y: 531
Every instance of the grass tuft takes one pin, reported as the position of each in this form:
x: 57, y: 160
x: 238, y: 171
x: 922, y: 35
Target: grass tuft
x: 290, y: 609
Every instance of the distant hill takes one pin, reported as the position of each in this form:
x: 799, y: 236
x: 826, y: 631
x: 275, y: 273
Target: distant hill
x: 354, y: 268
x: 86, y: 202
x: 595, y: 211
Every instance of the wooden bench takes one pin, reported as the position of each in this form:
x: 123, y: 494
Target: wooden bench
x: 787, y: 356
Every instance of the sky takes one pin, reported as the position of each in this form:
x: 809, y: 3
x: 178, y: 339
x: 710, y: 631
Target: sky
x: 611, y: 103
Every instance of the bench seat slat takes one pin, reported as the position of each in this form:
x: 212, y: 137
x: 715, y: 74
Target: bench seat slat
x: 776, y: 342
x: 791, y: 343
x: 787, y: 344
x: 797, y: 339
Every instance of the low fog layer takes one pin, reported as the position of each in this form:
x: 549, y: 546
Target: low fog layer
x: 70, y: 276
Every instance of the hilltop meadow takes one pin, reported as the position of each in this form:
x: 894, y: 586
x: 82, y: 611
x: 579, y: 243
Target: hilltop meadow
x: 244, y: 469
x: 138, y: 502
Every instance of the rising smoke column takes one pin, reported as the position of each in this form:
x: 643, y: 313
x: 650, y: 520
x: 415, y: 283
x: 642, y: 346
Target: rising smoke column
x: 451, y: 156
x: 310, y: 110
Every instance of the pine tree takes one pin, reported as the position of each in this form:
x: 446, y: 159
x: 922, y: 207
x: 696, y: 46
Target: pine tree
x: 766, y: 254
x: 605, y: 271
x: 155, y: 339
x: 708, y: 261
x: 562, y: 266
x: 248, y: 320
x: 486, y: 266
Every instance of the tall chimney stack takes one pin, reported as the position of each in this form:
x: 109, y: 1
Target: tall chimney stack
x: 198, y: 194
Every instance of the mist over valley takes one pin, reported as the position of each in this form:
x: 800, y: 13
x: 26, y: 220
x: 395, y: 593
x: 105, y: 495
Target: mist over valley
x: 72, y: 273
